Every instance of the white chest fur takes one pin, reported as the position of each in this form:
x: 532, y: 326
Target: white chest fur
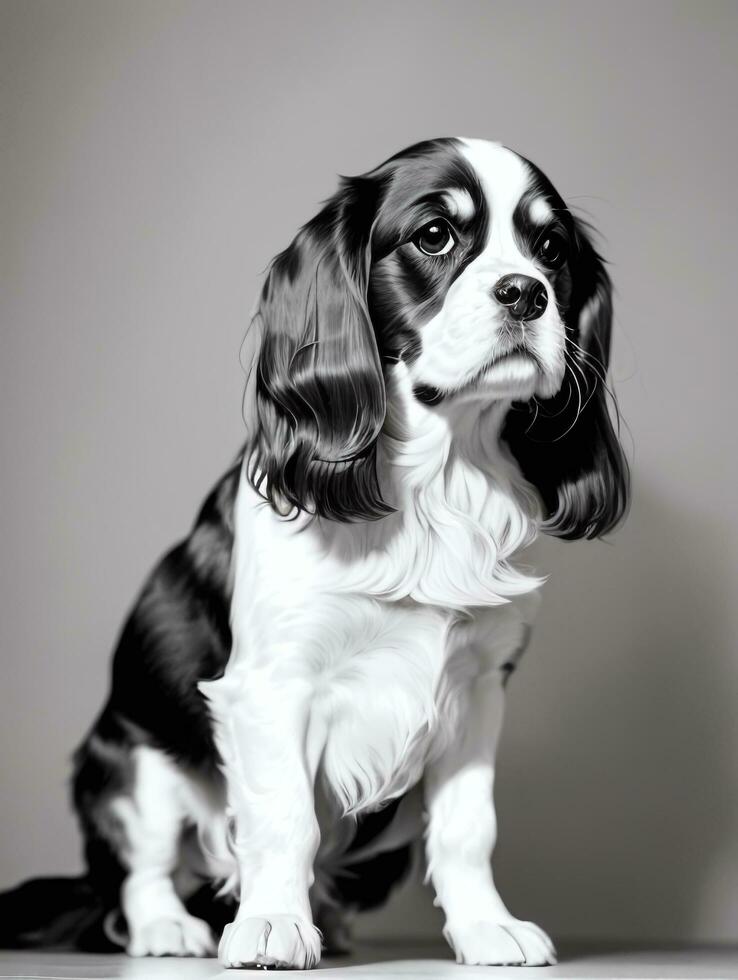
x: 387, y: 620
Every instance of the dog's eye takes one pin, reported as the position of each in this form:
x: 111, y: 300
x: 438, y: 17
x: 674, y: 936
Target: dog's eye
x: 435, y: 238
x: 552, y: 251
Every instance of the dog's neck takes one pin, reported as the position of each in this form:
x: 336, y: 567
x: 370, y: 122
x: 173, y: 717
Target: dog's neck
x: 419, y: 442
x: 461, y: 508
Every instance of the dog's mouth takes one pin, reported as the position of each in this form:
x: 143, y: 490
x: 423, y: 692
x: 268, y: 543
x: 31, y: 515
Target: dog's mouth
x: 518, y: 350
x: 518, y: 361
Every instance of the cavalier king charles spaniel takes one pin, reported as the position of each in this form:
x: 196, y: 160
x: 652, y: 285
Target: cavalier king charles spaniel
x: 315, y: 677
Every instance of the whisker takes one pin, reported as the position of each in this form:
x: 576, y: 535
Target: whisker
x: 596, y: 362
x: 577, y: 366
x: 586, y: 382
x: 554, y: 415
x: 596, y: 366
x: 578, y: 412
x: 537, y: 404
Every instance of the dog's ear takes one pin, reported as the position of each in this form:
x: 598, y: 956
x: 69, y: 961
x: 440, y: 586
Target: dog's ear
x: 316, y: 398
x: 566, y: 446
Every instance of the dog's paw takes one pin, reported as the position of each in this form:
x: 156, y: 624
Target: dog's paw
x: 181, y: 935
x: 281, y: 941
x: 508, y: 943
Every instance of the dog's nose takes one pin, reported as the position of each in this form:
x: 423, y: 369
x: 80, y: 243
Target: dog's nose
x: 523, y: 297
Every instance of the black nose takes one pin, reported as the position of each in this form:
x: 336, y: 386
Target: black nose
x: 523, y: 296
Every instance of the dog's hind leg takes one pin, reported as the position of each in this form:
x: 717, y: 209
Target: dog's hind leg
x: 149, y: 818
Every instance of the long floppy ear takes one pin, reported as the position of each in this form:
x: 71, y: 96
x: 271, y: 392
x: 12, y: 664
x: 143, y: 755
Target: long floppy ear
x: 566, y: 446
x: 316, y: 399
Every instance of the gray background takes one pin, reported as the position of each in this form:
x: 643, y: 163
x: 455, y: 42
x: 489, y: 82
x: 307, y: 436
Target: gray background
x: 155, y: 156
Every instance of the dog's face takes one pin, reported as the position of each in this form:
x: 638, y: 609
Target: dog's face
x: 470, y: 267
x: 459, y: 259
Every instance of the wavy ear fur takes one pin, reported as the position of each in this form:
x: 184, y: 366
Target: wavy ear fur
x: 317, y: 401
x: 566, y: 446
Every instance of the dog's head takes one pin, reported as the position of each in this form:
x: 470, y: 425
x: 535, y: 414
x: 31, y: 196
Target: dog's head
x: 458, y: 259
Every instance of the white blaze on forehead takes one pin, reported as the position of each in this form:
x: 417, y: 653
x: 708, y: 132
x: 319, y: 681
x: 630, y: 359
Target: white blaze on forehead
x: 503, y: 175
x: 459, y: 203
x: 540, y: 211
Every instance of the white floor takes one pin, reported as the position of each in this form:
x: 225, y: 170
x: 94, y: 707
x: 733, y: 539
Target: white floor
x: 392, y: 961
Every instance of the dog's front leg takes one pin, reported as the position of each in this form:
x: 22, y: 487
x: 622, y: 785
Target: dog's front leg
x: 270, y: 748
x: 461, y: 834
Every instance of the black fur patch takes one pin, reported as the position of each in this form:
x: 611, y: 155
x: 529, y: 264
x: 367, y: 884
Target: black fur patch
x: 428, y: 394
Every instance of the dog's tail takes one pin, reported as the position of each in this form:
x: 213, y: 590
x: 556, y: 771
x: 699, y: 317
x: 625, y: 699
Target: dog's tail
x: 58, y: 913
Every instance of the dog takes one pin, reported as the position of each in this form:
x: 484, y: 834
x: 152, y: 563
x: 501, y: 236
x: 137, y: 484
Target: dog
x: 323, y: 660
